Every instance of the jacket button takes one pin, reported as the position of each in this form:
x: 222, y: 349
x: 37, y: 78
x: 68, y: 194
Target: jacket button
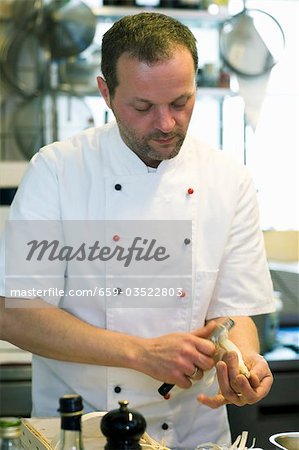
x: 187, y: 241
x: 116, y: 237
x: 182, y: 294
x: 164, y: 426
x: 117, y: 389
x: 117, y: 187
x: 190, y: 191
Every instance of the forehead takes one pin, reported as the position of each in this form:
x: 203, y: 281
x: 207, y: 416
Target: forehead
x: 138, y: 78
x: 179, y: 54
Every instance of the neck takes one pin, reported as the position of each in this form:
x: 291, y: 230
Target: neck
x: 71, y: 440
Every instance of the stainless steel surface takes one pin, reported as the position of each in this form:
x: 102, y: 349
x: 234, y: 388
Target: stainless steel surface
x: 286, y: 441
x: 15, y: 390
x: 15, y: 373
x: 15, y: 381
x: 68, y: 28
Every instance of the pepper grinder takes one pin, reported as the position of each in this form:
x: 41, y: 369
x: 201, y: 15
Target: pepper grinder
x: 123, y: 428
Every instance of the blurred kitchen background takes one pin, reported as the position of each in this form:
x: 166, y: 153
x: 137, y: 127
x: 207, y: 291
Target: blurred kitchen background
x: 247, y: 105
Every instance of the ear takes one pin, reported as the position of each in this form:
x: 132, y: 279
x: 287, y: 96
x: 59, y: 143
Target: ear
x: 102, y: 85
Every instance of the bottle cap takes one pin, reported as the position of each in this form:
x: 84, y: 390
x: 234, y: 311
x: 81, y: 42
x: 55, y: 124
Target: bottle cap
x: 71, y: 403
x: 10, y: 427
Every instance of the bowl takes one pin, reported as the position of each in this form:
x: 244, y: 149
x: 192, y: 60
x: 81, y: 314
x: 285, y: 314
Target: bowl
x: 286, y: 440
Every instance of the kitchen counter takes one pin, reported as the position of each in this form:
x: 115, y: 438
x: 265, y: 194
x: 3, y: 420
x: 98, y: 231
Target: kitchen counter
x: 10, y: 354
x: 44, y: 434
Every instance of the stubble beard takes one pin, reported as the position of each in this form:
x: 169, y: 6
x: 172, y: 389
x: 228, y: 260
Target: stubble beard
x: 142, y: 148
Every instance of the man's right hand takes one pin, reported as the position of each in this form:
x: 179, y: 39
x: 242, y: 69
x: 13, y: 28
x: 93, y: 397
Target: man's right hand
x: 173, y: 358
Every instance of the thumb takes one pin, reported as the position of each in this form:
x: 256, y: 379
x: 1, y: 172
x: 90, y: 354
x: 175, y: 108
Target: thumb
x: 205, y: 331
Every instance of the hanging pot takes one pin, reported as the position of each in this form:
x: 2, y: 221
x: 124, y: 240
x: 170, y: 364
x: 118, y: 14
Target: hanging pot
x: 25, y: 15
x: 23, y: 62
x: 52, y: 116
x: 251, y: 42
x: 68, y: 27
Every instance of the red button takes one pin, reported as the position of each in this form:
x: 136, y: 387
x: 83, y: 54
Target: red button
x: 167, y: 396
x: 190, y: 191
x: 182, y: 294
x: 116, y: 238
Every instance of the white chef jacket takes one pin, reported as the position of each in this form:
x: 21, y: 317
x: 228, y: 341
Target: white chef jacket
x: 75, y: 180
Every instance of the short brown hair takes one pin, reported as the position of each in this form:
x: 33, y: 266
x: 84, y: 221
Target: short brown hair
x: 148, y: 36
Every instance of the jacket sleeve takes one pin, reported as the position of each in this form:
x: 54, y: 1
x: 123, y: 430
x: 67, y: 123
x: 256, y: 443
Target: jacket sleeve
x: 243, y: 284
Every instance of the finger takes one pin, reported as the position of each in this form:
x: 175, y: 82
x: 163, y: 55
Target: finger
x: 197, y: 374
x: 235, y: 393
x: 254, y: 380
x: 243, y: 389
x: 204, y: 362
x: 238, y: 382
x: 223, y: 380
x: 190, y: 374
x: 250, y: 394
x: 232, y: 362
x: 219, y: 400
x: 239, y: 391
x: 219, y: 354
x: 194, y: 373
x: 259, y: 371
x: 213, y: 402
x: 264, y: 387
x: 205, y: 347
x: 183, y: 381
x: 205, y: 331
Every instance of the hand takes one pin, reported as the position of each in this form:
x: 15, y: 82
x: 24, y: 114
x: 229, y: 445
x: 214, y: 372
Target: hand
x: 235, y: 388
x: 173, y: 358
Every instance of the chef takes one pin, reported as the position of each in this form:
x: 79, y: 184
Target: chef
x: 188, y: 218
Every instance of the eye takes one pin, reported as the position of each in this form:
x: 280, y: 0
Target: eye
x: 182, y: 102
x: 143, y: 108
x: 179, y: 105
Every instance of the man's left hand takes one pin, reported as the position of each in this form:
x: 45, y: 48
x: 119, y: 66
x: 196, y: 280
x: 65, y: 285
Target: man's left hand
x: 235, y: 388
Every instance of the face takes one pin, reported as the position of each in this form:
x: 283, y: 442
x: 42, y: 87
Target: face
x: 153, y: 104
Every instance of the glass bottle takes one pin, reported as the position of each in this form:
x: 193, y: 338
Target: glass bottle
x: 71, y: 409
x: 10, y: 433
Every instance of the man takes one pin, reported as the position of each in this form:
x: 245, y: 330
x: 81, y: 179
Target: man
x: 146, y: 168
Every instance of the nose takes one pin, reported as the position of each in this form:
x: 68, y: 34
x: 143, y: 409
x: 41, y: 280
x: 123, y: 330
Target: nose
x: 164, y: 119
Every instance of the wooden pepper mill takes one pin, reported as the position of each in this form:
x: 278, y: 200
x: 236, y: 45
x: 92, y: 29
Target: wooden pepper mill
x: 123, y: 428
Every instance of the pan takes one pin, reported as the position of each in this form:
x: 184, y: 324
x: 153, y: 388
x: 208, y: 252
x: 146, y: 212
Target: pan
x: 251, y: 42
x: 54, y: 115
x: 68, y: 28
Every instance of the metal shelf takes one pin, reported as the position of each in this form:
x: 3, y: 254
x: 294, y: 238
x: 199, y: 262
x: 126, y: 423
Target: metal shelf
x: 214, y: 92
x: 192, y: 17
